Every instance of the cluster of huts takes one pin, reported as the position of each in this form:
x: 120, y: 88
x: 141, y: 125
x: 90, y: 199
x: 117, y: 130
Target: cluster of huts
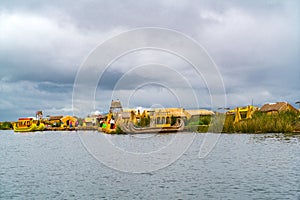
x: 158, y: 116
x: 73, y: 123
x: 268, y: 108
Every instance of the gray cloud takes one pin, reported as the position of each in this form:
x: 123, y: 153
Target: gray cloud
x: 43, y: 43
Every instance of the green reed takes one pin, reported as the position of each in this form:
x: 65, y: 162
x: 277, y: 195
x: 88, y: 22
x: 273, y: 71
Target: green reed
x: 283, y: 122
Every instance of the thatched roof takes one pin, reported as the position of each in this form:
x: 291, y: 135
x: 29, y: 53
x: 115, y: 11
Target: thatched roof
x: 115, y: 104
x: 55, y: 117
x: 115, y: 107
x: 39, y: 112
x: 279, y: 106
x: 176, y: 112
x: 68, y: 118
x: 200, y: 112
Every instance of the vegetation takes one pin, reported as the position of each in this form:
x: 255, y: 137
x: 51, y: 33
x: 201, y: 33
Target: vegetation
x: 173, y: 120
x: 119, y: 130
x: 80, y: 121
x: 199, y: 124
x: 283, y: 122
x: 6, y: 126
x: 145, y: 121
x: 202, y: 120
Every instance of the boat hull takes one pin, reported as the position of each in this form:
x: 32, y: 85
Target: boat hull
x: 40, y: 127
x: 131, y: 129
x: 108, y: 130
x: 32, y: 127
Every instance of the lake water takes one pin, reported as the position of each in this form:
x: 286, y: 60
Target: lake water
x: 57, y: 165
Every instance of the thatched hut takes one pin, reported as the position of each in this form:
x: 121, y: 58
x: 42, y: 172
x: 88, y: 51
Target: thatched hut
x: 272, y: 108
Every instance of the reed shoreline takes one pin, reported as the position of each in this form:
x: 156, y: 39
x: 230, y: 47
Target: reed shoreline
x: 286, y: 122
x: 260, y: 123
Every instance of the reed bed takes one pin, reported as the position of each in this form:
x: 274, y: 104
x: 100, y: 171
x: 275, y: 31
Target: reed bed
x: 283, y: 122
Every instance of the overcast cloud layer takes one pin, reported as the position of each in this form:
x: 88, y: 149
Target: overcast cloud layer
x: 255, y: 45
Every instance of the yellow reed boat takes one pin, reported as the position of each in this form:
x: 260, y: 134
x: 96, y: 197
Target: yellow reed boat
x: 28, y: 125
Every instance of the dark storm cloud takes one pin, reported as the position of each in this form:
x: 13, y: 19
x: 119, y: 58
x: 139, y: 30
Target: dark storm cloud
x: 109, y: 79
x: 43, y: 43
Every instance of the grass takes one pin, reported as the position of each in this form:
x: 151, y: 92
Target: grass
x: 6, y: 126
x: 283, y: 122
x: 198, y: 124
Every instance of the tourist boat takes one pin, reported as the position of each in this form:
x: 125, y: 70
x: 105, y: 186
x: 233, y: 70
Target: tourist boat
x: 40, y: 126
x: 28, y: 125
x: 130, y: 128
x: 107, y: 129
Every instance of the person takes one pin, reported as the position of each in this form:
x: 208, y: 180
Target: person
x: 112, y: 123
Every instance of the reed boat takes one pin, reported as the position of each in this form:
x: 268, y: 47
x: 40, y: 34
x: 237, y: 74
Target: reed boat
x: 106, y: 126
x: 130, y: 128
x: 28, y: 125
x: 40, y: 127
x: 107, y: 129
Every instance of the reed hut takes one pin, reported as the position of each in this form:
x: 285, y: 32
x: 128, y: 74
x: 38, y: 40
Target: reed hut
x: 68, y: 121
x: 115, y: 107
x: 274, y: 108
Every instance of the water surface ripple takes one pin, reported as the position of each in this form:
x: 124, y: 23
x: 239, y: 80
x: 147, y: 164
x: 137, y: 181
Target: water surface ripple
x: 56, y: 165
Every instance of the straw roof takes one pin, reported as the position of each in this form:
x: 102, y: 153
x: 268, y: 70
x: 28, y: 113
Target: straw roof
x: 177, y: 112
x: 115, y: 104
x: 39, y: 112
x: 55, y: 117
x: 68, y: 118
x: 279, y: 106
x: 200, y: 112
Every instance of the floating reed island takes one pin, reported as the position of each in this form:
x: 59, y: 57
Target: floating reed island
x: 280, y: 117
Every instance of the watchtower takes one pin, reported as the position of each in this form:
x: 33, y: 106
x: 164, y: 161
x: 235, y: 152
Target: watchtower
x: 115, y: 107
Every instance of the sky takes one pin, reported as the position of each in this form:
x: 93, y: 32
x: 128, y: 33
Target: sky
x: 43, y: 45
